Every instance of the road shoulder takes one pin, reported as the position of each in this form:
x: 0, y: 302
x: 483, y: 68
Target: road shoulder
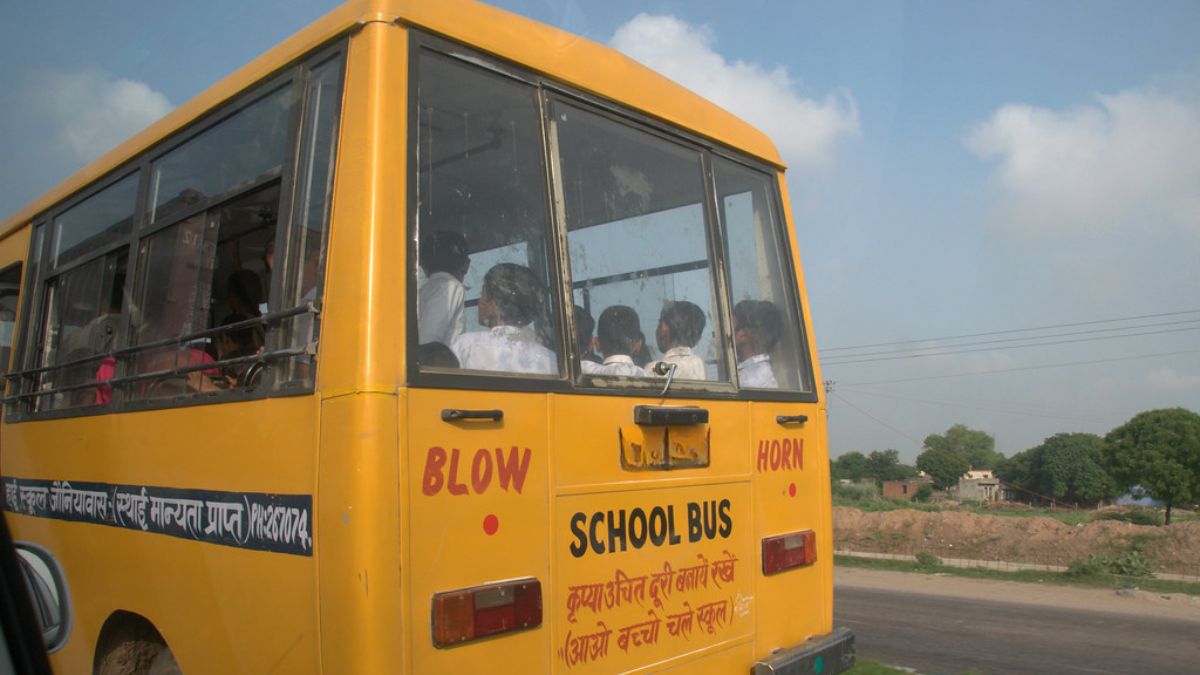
x: 1143, y: 603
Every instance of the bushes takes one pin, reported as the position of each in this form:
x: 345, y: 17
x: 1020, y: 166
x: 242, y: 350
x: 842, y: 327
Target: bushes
x: 1132, y: 563
x: 927, y: 560
x: 1137, y: 516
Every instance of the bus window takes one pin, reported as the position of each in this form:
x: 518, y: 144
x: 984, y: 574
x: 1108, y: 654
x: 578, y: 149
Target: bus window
x: 85, y: 301
x: 766, y: 323
x: 10, y: 291
x: 484, y: 301
x: 639, y: 247
x: 246, y: 148
x: 95, y: 223
x: 311, y: 212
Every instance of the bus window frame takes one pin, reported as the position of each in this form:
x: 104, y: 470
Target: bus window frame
x: 20, y: 404
x: 441, y: 378
x: 570, y: 378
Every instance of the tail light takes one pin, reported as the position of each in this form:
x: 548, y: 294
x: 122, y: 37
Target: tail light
x: 472, y: 613
x: 785, y: 551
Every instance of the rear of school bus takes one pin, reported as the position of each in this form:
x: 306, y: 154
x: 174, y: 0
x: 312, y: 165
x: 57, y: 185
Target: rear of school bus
x: 569, y: 506
x: 516, y: 490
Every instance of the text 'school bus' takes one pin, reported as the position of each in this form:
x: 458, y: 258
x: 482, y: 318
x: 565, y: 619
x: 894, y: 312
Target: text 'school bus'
x: 434, y: 340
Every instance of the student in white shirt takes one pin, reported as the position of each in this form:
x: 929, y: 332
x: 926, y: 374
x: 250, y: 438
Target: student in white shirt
x: 445, y: 261
x: 620, y: 335
x: 757, y: 327
x: 679, y: 329
x: 510, y: 302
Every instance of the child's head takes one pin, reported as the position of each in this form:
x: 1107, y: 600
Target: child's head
x: 680, y: 325
x: 619, y: 331
x: 757, y: 326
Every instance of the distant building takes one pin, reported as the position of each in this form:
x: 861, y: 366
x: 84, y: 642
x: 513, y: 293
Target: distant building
x: 904, y: 489
x: 980, y: 489
x: 977, y: 475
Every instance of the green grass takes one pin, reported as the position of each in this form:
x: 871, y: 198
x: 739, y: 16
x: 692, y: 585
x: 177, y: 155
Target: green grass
x: 1111, y: 581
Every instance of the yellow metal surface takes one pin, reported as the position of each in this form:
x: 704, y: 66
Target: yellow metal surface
x: 221, y: 609
x: 478, y: 513
x: 650, y: 575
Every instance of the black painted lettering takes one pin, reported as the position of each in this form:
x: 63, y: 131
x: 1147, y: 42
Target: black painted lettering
x: 597, y: 545
x: 580, y: 545
x: 726, y: 527
x: 637, y: 528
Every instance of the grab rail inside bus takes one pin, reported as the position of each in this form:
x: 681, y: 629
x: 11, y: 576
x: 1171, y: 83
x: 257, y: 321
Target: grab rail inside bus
x: 178, y: 370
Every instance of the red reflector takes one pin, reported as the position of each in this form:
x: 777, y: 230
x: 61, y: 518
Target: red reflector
x: 473, y: 613
x: 785, y: 551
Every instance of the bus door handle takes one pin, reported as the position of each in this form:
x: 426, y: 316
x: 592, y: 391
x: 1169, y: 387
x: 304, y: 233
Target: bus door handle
x: 654, y: 415
x: 791, y: 419
x: 458, y: 415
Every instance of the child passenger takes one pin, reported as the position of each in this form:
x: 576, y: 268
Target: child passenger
x: 620, y: 335
x: 679, y: 329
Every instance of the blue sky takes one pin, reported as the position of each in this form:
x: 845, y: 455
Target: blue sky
x: 957, y: 168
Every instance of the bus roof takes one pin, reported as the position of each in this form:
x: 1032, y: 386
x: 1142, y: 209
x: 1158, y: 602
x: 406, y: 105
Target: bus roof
x: 557, y: 54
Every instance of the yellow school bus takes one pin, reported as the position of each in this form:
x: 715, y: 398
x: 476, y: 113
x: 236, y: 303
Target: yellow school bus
x: 432, y: 340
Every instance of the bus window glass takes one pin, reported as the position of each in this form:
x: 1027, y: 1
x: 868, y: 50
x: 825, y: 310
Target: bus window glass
x: 10, y: 291
x: 314, y: 188
x: 639, y: 250
x: 767, y: 338
x: 246, y: 148
x: 484, y: 300
x: 95, y: 222
x: 177, y: 264
x: 85, y: 309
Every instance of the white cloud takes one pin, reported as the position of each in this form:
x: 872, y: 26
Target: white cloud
x: 94, y: 111
x: 1129, y: 162
x: 805, y: 129
x: 1171, y: 380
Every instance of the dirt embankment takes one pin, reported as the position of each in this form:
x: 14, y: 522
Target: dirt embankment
x: 954, y: 534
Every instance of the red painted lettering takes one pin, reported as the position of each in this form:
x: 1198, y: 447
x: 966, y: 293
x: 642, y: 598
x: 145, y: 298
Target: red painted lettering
x: 455, y: 487
x: 481, y: 470
x: 787, y: 453
x: 434, y: 461
x: 776, y: 451
x: 512, y: 471
x: 798, y: 449
x: 763, y: 448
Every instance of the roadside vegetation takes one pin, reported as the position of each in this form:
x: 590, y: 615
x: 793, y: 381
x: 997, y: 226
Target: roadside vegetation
x: 1088, y: 574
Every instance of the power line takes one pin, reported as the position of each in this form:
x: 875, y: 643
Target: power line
x: 952, y: 350
x: 898, y: 352
x: 878, y: 421
x: 1014, y: 370
x: 970, y: 406
x: 1015, y: 330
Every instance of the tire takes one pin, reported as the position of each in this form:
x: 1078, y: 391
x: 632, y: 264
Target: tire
x: 139, y: 657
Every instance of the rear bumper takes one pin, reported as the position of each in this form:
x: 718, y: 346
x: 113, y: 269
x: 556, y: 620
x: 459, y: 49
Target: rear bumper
x: 821, y: 655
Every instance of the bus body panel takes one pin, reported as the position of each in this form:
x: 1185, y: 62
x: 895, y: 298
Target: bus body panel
x: 479, y: 495
x: 208, y: 600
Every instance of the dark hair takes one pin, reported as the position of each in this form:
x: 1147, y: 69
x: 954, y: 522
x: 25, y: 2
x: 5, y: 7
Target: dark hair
x: 618, y: 330
x: 246, y: 339
x: 245, y: 291
x: 685, y: 320
x: 436, y: 355
x: 516, y: 291
x: 585, y: 327
x: 764, y: 321
x: 443, y: 251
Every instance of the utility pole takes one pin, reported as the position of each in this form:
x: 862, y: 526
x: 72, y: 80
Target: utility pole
x: 828, y: 396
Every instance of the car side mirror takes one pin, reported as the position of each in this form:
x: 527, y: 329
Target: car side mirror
x: 47, y: 593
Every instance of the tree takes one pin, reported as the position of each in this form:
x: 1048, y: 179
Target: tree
x: 943, y: 465
x: 885, y: 465
x: 1160, y: 451
x: 976, y: 447
x: 851, y: 466
x: 1068, y: 466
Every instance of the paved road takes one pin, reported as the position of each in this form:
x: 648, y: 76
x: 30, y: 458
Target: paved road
x: 937, y: 634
